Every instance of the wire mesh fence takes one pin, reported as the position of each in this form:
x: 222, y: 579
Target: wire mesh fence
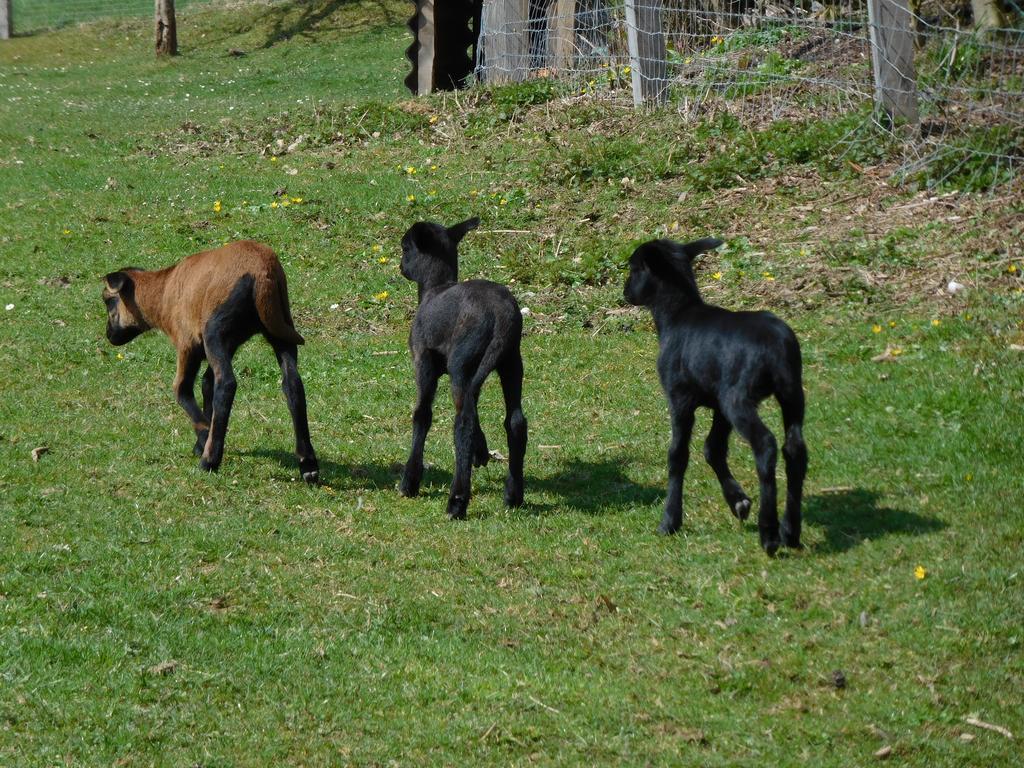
x: 954, y: 97
x: 35, y: 15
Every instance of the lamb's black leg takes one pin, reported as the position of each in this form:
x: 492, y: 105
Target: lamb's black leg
x: 762, y: 441
x: 428, y: 371
x: 511, y: 375
x: 465, y: 399
x: 716, y: 452
x: 207, y: 386
x: 295, y: 394
x: 481, y: 455
x: 682, y: 408
x: 189, y: 361
x: 208, y: 392
x: 219, y: 355
x: 794, y: 452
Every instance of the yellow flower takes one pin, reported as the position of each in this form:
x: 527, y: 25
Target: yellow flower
x: 297, y: 200
x: 1012, y: 269
x: 410, y: 198
x: 920, y: 572
x: 433, y: 119
x: 503, y: 201
x: 936, y: 322
x: 285, y: 203
x: 410, y: 170
x: 327, y: 488
x: 273, y: 159
x: 216, y: 206
x: 432, y: 192
x: 625, y: 71
x: 274, y: 204
x: 688, y: 60
x: 120, y: 356
x: 892, y: 323
x: 67, y: 231
x: 876, y: 328
x: 376, y: 248
x: 380, y: 296
x: 895, y: 351
x: 767, y: 276
x: 433, y: 167
x: 969, y: 477
x: 474, y: 192
x: 717, y: 276
x: 382, y: 260
x: 804, y: 252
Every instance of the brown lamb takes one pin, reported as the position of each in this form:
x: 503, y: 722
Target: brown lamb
x: 209, y: 304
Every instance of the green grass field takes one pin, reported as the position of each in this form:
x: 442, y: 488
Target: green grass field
x: 154, y: 615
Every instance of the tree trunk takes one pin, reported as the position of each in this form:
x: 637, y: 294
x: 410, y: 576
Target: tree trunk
x: 166, y: 29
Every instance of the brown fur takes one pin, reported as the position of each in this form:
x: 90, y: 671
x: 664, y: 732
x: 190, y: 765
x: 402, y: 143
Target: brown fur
x: 196, y: 304
x: 179, y: 300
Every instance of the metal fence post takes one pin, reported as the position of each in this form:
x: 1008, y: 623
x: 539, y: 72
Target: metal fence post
x: 6, y: 21
x: 647, y: 55
x: 892, y: 57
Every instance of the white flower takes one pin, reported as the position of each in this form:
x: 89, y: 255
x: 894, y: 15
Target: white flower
x: 9, y: 307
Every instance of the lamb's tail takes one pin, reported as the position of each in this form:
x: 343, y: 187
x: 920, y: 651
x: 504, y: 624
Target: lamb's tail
x: 273, y: 308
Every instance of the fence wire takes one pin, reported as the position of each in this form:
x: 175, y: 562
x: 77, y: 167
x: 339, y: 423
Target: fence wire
x: 763, y: 62
x: 36, y: 15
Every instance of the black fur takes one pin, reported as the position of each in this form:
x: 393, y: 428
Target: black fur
x: 465, y: 330
x: 730, y: 362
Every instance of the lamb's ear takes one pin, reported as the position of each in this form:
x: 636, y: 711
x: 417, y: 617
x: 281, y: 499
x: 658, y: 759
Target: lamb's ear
x: 692, y: 250
x: 116, y: 281
x: 459, y: 231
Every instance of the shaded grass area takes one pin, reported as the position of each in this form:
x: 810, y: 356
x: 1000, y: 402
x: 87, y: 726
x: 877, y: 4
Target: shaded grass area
x: 153, y: 615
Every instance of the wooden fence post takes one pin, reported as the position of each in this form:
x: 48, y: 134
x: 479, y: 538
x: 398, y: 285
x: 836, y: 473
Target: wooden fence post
x: 562, y: 34
x: 6, y: 20
x: 505, y: 40
x: 647, y: 54
x: 892, y: 58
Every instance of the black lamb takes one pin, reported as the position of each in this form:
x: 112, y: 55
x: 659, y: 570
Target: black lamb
x: 729, y: 362
x: 466, y: 330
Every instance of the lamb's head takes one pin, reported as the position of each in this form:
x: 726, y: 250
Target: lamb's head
x: 124, y: 319
x: 430, y: 252
x: 664, y: 269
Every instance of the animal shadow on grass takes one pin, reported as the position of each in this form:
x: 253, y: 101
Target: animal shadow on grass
x: 337, y: 475
x: 592, y: 487
x: 852, y: 516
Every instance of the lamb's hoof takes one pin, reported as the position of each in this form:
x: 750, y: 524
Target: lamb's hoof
x: 668, y: 527
x: 481, y: 459
x: 514, y: 498
x: 741, y: 508
x: 310, y: 470
x: 409, y: 486
x: 790, y: 540
x: 200, y: 445
x: 457, y: 508
x: 771, y: 546
x: 208, y: 466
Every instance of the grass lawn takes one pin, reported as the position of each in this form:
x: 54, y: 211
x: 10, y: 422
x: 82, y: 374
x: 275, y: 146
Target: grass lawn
x: 154, y: 615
